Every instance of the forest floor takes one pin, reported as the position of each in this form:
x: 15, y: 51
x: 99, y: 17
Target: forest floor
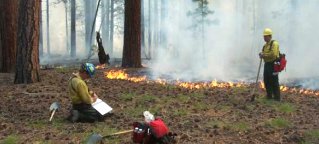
x: 198, y: 116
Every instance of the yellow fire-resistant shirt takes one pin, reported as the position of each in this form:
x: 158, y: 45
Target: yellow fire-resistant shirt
x: 270, y: 54
x: 78, y: 90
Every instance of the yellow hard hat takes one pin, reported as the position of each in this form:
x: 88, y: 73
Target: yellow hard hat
x: 267, y: 31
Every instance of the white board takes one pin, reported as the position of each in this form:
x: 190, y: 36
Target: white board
x: 101, y: 106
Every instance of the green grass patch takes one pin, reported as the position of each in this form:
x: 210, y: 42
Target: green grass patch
x: 285, y: 108
x: 311, y: 136
x: 216, y: 124
x: 198, y: 95
x: 146, y: 98
x: 127, y: 96
x: 183, y: 98
x: 278, y: 123
x: 11, y: 139
x: 239, y: 126
x: 200, y: 106
x: 180, y: 112
x: 267, y: 102
x: 136, y: 111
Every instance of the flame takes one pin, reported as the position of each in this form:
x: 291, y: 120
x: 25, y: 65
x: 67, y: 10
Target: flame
x: 121, y: 74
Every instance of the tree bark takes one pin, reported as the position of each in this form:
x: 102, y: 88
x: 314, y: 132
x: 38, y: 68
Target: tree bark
x: 132, y: 34
x: 89, y: 14
x: 48, y: 28
x: 73, y: 32
x: 27, y: 67
x: 106, y: 23
x: 111, y: 29
x: 41, y: 33
x: 8, y: 34
x: 150, y: 34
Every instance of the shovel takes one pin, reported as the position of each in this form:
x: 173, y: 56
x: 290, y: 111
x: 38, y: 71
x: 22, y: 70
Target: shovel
x: 53, y: 108
x: 253, y: 96
x: 97, y: 138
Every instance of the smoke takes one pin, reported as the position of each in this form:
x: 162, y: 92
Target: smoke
x: 229, y: 51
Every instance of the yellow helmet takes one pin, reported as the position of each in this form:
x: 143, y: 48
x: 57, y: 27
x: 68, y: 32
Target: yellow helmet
x: 267, y: 31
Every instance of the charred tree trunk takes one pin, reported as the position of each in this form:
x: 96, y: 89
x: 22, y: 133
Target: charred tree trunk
x: 103, y: 58
x: 8, y: 34
x: 132, y: 34
x: 27, y: 67
x: 73, y: 33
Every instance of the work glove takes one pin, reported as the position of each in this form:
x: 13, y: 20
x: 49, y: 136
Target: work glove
x: 261, y: 55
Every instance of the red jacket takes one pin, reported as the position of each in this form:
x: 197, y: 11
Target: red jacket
x: 159, y: 128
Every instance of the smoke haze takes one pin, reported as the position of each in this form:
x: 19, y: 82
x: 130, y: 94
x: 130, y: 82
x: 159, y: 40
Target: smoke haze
x: 231, y: 45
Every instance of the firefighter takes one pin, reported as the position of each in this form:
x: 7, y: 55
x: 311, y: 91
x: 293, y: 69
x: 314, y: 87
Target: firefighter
x: 269, y: 54
x: 81, y: 97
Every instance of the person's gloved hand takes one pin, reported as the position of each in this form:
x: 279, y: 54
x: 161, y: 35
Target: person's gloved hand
x: 94, y: 96
x: 261, y: 55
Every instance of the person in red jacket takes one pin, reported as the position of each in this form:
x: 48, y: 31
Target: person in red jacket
x: 158, y: 129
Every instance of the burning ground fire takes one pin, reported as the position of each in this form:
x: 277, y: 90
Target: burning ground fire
x: 121, y: 74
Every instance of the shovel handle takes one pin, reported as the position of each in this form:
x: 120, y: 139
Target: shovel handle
x: 118, y: 133
x: 52, y: 115
x: 256, y: 84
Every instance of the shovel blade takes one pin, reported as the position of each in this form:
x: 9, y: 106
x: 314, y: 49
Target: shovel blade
x: 94, y: 139
x: 54, y: 106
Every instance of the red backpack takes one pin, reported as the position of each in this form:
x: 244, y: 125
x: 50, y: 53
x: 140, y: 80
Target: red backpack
x: 281, y: 62
x: 159, y: 128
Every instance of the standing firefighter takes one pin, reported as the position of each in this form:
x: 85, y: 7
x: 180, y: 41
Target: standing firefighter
x: 82, y: 110
x: 270, y: 53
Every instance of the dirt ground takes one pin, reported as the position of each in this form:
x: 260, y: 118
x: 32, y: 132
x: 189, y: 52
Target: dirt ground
x: 198, y: 116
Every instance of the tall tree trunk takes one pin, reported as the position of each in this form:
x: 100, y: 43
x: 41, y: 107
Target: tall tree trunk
x: 41, y: 33
x: 106, y: 24
x: 73, y: 32
x: 163, y: 26
x: 111, y: 28
x: 142, y: 28
x: 8, y: 34
x: 48, y: 29
x: 150, y: 29
x: 67, y: 26
x: 156, y: 25
x: 132, y: 34
x: 27, y: 67
x: 88, y: 23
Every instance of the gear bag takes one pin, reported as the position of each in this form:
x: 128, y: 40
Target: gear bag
x: 145, y: 134
x: 139, y: 134
x: 281, y: 62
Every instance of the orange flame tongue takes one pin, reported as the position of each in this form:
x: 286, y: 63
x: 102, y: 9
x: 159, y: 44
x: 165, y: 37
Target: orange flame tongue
x: 121, y: 74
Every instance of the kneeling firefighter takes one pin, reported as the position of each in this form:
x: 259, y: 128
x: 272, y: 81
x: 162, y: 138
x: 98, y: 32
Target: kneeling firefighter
x: 82, y: 110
